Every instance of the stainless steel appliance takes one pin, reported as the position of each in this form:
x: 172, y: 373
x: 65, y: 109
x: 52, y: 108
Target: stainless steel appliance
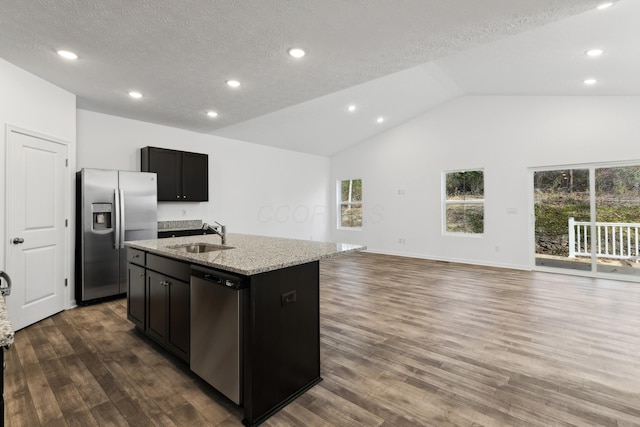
x: 216, y: 330
x: 112, y: 207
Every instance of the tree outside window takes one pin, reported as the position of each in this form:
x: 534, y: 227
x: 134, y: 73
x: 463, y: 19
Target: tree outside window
x: 350, y: 203
x: 464, y: 202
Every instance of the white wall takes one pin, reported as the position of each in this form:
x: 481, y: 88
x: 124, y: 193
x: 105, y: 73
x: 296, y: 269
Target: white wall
x: 503, y: 135
x: 252, y: 189
x: 28, y: 102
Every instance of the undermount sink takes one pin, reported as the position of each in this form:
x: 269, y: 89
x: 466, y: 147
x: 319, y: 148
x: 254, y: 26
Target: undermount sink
x: 198, y: 248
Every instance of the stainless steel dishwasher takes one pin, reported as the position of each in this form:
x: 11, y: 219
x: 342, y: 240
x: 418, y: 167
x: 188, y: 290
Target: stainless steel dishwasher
x: 216, y: 329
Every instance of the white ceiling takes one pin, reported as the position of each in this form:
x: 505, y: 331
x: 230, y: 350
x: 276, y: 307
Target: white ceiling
x: 391, y: 58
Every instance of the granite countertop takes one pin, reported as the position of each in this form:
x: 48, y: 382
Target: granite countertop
x: 249, y: 254
x: 6, y: 330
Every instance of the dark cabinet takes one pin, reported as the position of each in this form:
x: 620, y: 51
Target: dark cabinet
x: 167, y: 304
x: 136, y: 295
x: 179, y: 319
x: 156, y: 306
x: 2, y: 388
x: 158, y: 299
x: 136, y: 292
x: 168, y: 313
x: 182, y: 176
x: 281, y: 339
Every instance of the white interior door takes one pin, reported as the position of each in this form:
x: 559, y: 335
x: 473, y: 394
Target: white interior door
x: 36, y: 250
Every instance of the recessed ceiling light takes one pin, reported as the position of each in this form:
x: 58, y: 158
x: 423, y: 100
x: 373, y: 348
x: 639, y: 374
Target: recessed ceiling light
x: 380, y: 119
x: 67, y: 54
x: 351, y: 108
x: 233, y: 83
x: 590, y: 82
x: 296, y: 52
x: 212, y: 114
x: 595, y: 52
x: 134, y: 94
x: 605, y: 5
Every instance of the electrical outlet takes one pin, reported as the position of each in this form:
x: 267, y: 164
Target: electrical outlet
x: 402, y: 241
x: 497, y: 248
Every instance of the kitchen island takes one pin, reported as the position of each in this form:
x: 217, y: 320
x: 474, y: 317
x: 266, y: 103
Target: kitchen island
x: 245, y: 316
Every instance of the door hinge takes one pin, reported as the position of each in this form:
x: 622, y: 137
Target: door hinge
x: 66, y: 282
x: 66, y: 162
x: 66, y: 222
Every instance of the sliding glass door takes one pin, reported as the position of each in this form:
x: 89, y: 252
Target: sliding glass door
x: 617, y: 220
x: 588, y: 219
x: 558, y: 196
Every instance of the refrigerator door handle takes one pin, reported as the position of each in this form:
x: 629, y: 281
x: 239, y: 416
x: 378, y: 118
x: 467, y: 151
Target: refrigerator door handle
x: 122, y: 220
x: 116, y: 234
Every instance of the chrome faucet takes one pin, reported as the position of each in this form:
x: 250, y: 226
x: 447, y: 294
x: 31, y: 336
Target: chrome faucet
x: 220, y: 231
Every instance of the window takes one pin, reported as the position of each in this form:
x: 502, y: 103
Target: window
x: 350, y: 203
x: 464, y: 202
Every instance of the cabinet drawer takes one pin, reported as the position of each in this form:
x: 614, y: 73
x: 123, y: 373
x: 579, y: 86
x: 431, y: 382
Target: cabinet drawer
x: 135, y: 256
x: 179, y: 270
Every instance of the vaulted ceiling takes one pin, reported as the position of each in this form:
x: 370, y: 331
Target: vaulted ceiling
x: 393, y: 59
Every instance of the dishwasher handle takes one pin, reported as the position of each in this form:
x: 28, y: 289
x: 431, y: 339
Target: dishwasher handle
x: 216, y: 277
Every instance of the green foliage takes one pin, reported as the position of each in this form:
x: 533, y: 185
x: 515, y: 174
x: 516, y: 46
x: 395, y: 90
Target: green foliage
x: 351, y: 216
x: 465, y: 218
x: 562, y: 181
x: 469, y: 184
x: 355, y: 187
x: 553, y: 219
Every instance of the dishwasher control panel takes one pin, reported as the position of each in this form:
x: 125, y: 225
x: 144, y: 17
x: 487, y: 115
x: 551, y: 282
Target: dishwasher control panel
x: 218, y: 277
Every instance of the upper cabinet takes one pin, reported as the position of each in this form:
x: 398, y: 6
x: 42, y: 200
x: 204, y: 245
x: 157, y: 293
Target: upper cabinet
x: 182, y: 176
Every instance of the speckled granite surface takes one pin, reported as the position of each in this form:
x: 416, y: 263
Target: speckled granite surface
x: 6, y: 330
x: 250, y: 254
x: 188, y: 224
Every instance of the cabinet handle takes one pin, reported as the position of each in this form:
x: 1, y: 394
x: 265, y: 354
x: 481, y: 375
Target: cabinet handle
x: 141, y: 274
x: 184, y: 197
x: 178, y: 196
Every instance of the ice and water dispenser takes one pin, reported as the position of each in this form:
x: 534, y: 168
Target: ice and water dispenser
x: 102, y: 216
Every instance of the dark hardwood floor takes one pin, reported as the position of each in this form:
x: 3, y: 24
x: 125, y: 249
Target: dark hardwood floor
x: 405, y: 342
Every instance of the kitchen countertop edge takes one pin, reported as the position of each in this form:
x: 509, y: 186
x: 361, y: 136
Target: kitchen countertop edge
x: 6, y: 330
x: 248, y: 254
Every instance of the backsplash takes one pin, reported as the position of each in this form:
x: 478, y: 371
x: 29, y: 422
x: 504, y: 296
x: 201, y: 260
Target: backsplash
x: 188, y: 224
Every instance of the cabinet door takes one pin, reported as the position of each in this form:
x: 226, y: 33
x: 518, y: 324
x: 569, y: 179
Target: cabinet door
x: 179, y: 318
x: 136, y: 295
x: 157, y: 306
x: 167, y: 164
x: 195, y: 177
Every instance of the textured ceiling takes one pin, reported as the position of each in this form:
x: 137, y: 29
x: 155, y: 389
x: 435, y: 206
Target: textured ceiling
x: 179, y: 54
x: 551, y: 60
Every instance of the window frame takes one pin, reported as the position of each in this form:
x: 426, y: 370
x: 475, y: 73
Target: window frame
x: 340, y: 203
x: 446, y: 202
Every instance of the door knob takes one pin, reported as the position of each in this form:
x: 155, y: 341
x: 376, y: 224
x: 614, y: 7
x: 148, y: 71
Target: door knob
x: 18, y: 240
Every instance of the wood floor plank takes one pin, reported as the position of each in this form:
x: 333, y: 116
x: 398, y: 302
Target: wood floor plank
x: 404, y: 342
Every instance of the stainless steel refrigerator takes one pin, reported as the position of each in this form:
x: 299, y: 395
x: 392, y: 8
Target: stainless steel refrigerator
x: 113, y: 207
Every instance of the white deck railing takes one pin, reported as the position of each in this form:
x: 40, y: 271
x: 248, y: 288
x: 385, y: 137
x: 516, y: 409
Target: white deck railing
x: 618, y: 240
